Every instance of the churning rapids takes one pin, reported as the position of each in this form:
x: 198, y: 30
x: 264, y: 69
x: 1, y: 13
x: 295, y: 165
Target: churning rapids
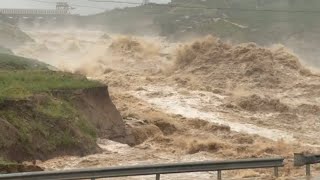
x: 152, y: 80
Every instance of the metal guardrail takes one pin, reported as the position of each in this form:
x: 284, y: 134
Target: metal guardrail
x: 157, y: 170
x: 301, y: 159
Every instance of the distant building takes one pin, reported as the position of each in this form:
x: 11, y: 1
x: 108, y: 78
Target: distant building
x: 62, y: 6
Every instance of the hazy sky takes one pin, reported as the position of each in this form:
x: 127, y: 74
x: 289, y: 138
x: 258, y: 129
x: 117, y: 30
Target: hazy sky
x: 82, y: 10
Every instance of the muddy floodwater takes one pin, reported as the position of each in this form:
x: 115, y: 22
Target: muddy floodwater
x: 191, y: 101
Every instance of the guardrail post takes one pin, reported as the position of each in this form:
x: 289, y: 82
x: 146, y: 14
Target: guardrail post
x: 157, y: 176
x: 308, y: 170
x: 276, y: 171
x: 219, y: 175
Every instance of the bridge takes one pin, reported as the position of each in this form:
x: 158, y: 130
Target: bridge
x: 62, y: 9
x: 32, y: 17
x: 33, y: 12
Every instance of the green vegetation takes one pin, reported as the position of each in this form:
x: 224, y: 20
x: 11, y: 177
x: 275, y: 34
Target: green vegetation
x: 61, y: 109
x: 22, y: 77
x: 23, y: 126
x: 5, y: 51
x: 57, y: 108
x: 5, y: 162
x: 38, y: 126
x: 232, y: 20
x: 55, y: 123
x: 22, y: 84
x: 261, y: 27
x: 12, y: 62
x: 174, y: 21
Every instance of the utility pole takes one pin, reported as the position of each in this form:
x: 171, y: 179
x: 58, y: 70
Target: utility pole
x: 63, y: 6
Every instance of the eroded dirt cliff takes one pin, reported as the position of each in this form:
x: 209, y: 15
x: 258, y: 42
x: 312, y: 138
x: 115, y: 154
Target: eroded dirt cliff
x: 61, y: 122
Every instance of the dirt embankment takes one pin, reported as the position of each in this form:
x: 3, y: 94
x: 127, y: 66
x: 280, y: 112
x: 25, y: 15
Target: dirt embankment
x: 63, y: 122
x: 14, y: 168
x: 95, y: 104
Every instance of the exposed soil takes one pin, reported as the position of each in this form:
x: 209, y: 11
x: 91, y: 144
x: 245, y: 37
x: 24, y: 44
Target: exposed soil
x: 96, y: 105
x: 29, y: 131
x: 15, y: 168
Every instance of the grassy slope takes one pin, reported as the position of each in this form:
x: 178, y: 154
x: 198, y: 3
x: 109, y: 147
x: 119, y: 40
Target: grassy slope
x: 21, y: 84
x: 50, y: 127
x: 175, y: 22
x: 12, y: 62
x: 5, y: 51
x: 21, y: 77
x: 40, y: 127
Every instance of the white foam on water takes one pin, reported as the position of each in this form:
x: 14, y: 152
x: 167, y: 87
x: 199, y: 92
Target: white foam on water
x: 185, y: 105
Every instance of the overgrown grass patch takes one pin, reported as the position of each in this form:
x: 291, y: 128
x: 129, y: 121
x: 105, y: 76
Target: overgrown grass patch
x: 61, y: 109
x: 54, y: 122
x: 3, y: 161
x: 57, y: 108
x: 40, y: 123
x: 87, y: 129
x: 25, y: 127
x: 12, y: 62
x: 22, y: 84
x: 5, y: 51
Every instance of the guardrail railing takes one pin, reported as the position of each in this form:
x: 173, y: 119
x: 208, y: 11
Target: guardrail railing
x: 156, y: 170
x: 301, y: 159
